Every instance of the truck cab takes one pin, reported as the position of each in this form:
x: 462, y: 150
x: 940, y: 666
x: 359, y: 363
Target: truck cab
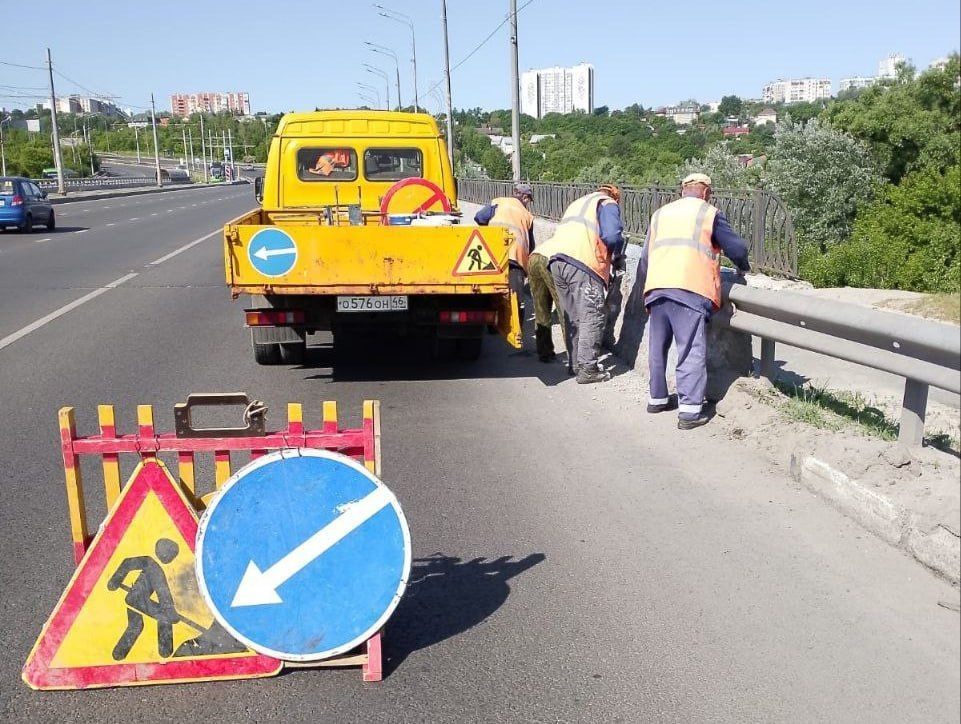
x: 358, y: 231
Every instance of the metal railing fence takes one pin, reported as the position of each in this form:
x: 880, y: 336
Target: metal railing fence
x: 109, y: 182
x: 927, y: 354
x: 760, y: 217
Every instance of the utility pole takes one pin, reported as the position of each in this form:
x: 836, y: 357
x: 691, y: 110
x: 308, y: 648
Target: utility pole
x: 203, y: 148
x: 136, y: 135
x: 57, y: 158
x: 183, y: 133
x: 3, y: 153
x: 515, y: 97
x: 450, y: 110
x: 190, y: 140
x: 156, y: 146
x: 230, y: 144
x: 87, y: 139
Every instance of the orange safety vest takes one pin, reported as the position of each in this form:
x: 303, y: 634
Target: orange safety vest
x: 512, y: 214
x: 681, y: 253
x: 578, y: 236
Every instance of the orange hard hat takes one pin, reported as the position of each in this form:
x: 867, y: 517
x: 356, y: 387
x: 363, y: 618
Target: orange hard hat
x: 611, y: 190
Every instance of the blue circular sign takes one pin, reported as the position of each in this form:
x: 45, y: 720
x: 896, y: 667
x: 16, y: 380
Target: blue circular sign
x: 272, y: 252
x: 303, y: 554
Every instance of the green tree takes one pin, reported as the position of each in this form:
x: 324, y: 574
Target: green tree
x: 910, y: 123
x: 730, y: 106
x: 724, y: 168
x: 908, y: 238
x: 824, y: 176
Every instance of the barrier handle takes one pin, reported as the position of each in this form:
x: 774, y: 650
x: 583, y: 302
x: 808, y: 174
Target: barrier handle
x: 254, y: 415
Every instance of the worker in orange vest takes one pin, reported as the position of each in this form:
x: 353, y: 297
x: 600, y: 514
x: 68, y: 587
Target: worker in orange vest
x: 589, y: 236
x: 512, y: 212
x: 680, y: 264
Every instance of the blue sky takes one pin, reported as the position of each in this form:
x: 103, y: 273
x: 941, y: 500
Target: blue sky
x: 294, y: 55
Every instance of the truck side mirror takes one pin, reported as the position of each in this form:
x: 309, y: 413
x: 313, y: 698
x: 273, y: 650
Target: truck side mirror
x: 259, y: 189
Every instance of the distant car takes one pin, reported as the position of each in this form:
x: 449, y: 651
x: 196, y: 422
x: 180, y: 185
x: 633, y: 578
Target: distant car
x: 23, y: 204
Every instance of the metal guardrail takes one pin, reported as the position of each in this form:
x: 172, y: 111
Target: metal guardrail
x: 109, y: 182
x: 927, y: 354
x: 758, y: 216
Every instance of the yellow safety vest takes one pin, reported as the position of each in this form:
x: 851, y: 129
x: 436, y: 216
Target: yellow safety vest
x: 681, y: 253
x: 512, y: 214
x: 578, y: 236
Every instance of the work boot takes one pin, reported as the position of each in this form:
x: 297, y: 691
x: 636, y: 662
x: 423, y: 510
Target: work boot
x: 671, y: 404
x: 589, y: 375
x: 547, y: 357
x: 689, y: 423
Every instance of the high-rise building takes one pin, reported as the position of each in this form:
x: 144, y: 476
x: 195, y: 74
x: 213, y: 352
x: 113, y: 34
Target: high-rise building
x: 557, y: 90
x: 183, y: 104
x: 888, y: 67
x: 796, y: 90
x: 939, y: 63
x: 856, y: 82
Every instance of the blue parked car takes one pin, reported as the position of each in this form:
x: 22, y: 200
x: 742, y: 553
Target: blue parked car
x: 23, y: 204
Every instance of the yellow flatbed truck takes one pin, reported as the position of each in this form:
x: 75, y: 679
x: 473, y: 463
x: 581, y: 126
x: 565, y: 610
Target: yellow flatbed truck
x: 358, y: 232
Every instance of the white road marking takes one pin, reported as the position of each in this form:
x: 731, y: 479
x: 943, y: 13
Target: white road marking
x: 40, y: 241
x: 33, y: 326
x: 154, y: 213
x: 171, y: 255
x: 135, y: 218
x: 81, y: 231
x: 112, y: 223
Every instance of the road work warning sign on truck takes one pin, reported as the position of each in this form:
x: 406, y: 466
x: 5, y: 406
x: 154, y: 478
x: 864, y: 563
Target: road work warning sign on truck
x: 357, y: 206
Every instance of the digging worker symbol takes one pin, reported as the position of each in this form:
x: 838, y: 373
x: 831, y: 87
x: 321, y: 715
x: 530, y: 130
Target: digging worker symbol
x: 148, y: 595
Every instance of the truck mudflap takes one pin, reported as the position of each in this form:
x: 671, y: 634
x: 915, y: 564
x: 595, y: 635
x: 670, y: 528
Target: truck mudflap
x: 509, y: 320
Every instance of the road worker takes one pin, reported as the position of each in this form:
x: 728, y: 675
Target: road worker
x: 580, y: 255
x: 680, y: 263
x: 512, y: 212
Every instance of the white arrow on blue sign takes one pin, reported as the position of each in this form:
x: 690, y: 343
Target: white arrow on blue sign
x: 303, y: 554
x: 272, y: 252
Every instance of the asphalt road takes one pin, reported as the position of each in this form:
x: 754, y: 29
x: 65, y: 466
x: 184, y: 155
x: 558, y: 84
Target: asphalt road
x: 578, y: 560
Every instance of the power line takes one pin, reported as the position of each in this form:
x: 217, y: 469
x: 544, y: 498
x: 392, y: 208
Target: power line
x: 481, y: 44
x: 82, y: 87
x: 20, y: 65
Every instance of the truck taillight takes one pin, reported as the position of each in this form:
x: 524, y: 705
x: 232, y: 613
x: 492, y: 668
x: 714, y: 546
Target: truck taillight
x: 273, y: 317
x: 468, y: 317
x: 17, y: 200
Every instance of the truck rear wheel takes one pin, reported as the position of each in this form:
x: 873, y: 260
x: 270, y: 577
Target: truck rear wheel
x: 293, y: 353
x: 267, y: 354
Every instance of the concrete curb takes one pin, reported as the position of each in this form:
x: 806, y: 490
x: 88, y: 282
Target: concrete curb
x: 938, y: 549
x: 121, y: 193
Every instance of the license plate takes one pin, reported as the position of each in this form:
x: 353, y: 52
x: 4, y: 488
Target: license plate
x: 396, y: 303
x: 3, y: 202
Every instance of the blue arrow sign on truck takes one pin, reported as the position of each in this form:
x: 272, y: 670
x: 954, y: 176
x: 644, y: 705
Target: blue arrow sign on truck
x: 303, y: 554
x: 272, y: 252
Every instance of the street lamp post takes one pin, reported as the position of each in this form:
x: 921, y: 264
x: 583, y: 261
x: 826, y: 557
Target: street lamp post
x: 370, y: 90
x: 374, y: 48
x: 404, y: 20
x: 382, y: 74
x: 156, y: 146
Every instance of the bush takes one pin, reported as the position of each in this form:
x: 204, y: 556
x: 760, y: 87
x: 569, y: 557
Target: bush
x: 909, y: 238
x: 823, y: 175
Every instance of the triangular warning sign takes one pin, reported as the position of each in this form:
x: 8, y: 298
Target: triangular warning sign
x: 132, y: 612
x: 477, y: 258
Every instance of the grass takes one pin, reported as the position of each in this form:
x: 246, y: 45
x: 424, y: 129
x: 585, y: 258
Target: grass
x: 942, y: 306
x: 835, y: 409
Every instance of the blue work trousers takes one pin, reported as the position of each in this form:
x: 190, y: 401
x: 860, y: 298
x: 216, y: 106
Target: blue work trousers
x: 687, y: 328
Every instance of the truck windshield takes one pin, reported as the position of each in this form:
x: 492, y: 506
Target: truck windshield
x: 393, y: 164
x: 326, y: 164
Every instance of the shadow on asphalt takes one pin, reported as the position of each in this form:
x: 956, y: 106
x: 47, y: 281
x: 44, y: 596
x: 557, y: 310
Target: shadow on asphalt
x: 43, y: 231
x: 447, y: 596
x: 386, y: 360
